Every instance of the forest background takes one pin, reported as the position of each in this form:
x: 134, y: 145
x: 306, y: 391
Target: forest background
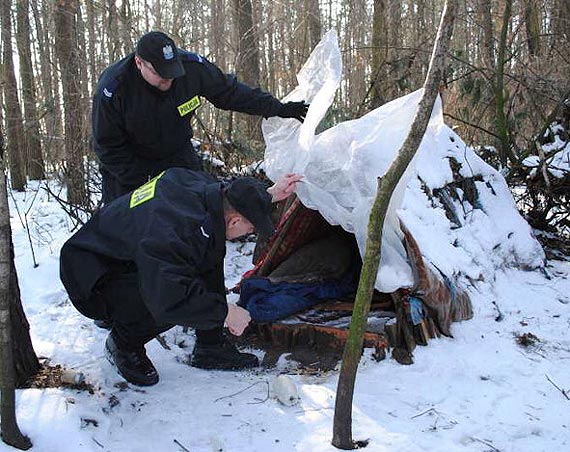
x: 507, y: 81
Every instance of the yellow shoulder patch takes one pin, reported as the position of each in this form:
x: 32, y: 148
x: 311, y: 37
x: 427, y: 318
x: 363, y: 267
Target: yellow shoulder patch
x: 189, y: 106
x: 144, y: 192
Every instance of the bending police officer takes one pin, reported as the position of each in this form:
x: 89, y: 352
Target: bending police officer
x: 155, y: 258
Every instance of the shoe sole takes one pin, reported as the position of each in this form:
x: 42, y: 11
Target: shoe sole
x: 109, y: 357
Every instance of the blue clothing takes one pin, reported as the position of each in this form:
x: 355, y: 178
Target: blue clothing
x: 267, y: 302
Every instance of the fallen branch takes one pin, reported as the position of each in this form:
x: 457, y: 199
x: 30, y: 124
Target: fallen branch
x: 181, y: 446
x: 245, y: 389
x: 98, y: 443
x: 430, y: 410
x: 500, y: 317
x: 486, y: 443
x: 563, y: 391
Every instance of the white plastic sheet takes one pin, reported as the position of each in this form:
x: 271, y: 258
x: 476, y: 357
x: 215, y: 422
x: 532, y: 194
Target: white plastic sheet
x: 341, y: 166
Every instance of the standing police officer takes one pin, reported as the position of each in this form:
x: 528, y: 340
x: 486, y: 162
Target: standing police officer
x: 144, y: 103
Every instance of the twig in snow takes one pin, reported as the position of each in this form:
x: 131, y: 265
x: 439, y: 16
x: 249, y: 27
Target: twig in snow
x: 181, y: 446
x: 450, y: 423
x: 500, y: 317
x: 563, y: 391
x: 98, y: 443
x: 243, y: 390
x: 261, y: 400
x: 430, y: 410
x: 528, y: 357
x: 486, y: 443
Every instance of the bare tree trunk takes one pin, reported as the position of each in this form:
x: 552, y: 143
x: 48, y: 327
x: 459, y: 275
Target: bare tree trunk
x: 9, y: 429
x: 395, y: 55
x: 158, y: 14
x: 487, y: 50
x: 68, y: 57
x: 314, y: 29
x: 113, y: 39
x: 342, y: 429
x: 505, y: 151
x: 35, y: 161
x: 532, y: 26
x: 92, y: 52
x: 379, y: 53
x: 247, y: 64
x: 14, y: 123
x: 560, y: 14
x: 356, y: 17
x: 125, y: 21
x: 50, y: 110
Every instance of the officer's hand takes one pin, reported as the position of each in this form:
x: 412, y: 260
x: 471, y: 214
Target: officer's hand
x: 237, y: 319
x: 296, y: 110
x: 284, y: 187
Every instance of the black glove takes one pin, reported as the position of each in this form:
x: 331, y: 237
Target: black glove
x: 297, y: 110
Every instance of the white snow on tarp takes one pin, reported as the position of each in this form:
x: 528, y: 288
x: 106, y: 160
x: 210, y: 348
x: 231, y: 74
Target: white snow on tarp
x: 341, y: 166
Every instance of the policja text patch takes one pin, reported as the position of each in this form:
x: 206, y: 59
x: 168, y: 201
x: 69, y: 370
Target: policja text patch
x: 189, y: 106
x: 144, y: 192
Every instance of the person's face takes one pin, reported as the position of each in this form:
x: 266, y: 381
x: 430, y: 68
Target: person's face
x: 236, y: 226
x: 151, y: 76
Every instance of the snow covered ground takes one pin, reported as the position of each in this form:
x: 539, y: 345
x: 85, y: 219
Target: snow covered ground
x: 480, y: 391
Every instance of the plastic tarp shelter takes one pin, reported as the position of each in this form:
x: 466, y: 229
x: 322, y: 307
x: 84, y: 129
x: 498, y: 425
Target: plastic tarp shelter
x: 341, y: 166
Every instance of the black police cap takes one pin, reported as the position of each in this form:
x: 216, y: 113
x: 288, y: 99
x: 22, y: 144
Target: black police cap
x: 159, y: 49
x: 250, y: 198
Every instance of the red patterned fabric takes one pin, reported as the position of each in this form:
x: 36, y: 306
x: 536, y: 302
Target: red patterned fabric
x: 297, y: 226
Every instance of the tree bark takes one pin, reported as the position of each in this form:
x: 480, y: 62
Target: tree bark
x: 487, y: 50
x: 92, y: 52
x: 395, y: 55
x: 532, y: 26
x: 342, y: 429
x: 9, y: 429
x: 14, y: 122
x: 314, y: 28
x: 25, y: 360
x: 505, y: 151
x: 50, y: 109
x: 247, y: 64
x: 379, y: 53
x: 67, y: 54
x: 560, y: 14
x: 35, y: 161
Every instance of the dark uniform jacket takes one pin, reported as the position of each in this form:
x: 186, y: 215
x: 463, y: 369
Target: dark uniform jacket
x: 139, y: 131
x: 172, y: 231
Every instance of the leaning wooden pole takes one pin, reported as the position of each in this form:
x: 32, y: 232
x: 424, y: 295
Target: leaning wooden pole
x: 342, y: 428
x: 9, y: 430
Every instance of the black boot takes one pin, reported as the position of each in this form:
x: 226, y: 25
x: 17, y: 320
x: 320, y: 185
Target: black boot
x: 132, y: 364
x: 221, y: 356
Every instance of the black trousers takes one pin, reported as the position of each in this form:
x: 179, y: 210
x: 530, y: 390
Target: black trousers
x: 133, y: 324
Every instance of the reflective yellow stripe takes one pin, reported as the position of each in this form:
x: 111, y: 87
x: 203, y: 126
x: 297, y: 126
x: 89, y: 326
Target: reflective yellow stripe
x: 189, y: 106
x: 144, y: 192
